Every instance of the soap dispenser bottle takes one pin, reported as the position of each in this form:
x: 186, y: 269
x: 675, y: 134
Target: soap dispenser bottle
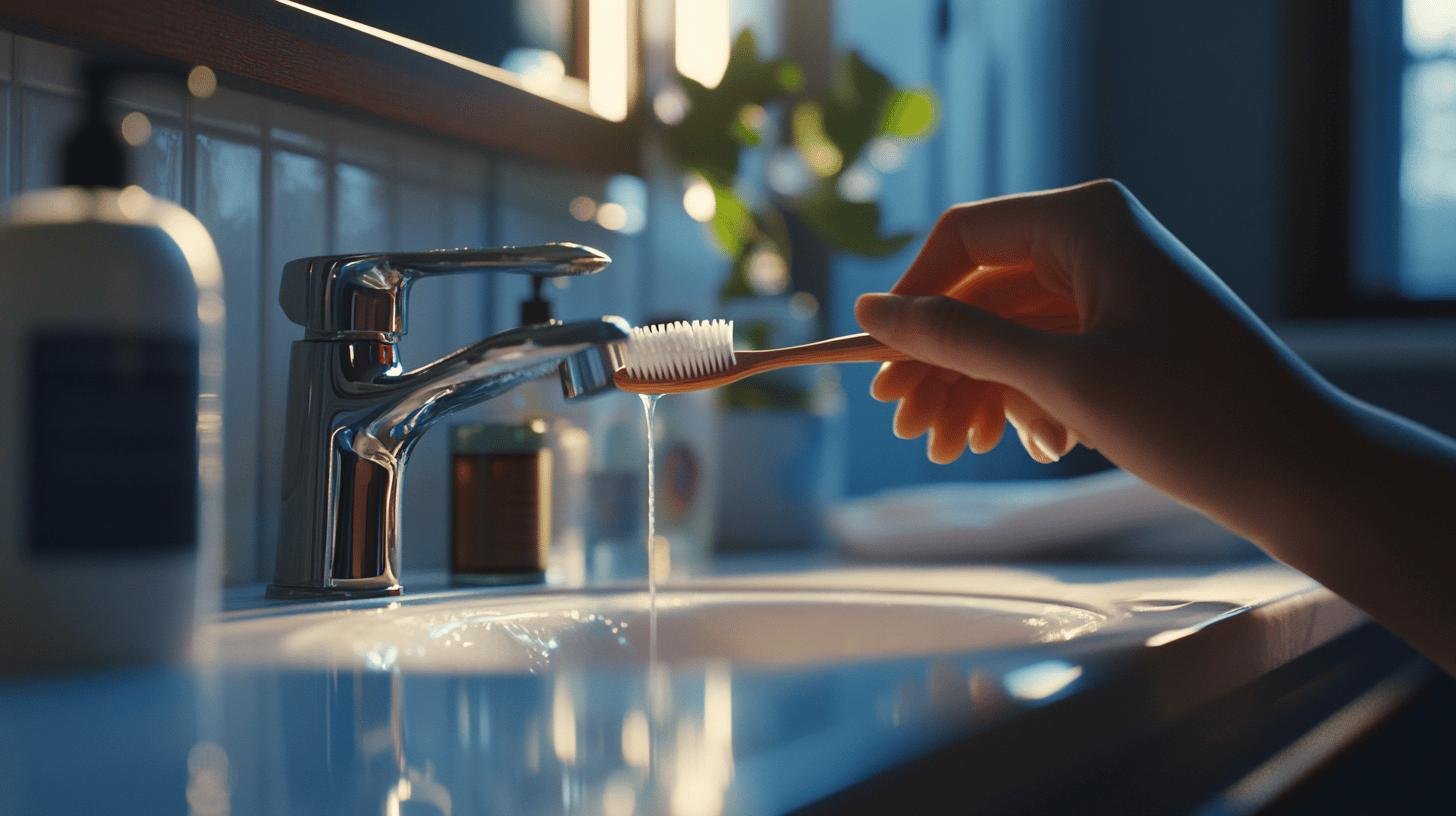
x: 540, y: 404
x: 111, y: 317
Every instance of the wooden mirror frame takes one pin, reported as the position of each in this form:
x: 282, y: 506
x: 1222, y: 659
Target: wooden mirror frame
x: 271, y: 44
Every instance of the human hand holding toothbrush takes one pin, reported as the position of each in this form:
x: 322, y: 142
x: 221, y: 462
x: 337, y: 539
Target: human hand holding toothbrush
x: 1091, y: 322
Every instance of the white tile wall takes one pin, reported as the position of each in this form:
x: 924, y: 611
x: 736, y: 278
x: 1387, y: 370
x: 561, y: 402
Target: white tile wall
x: 227, y: 196
x: 275, y: 181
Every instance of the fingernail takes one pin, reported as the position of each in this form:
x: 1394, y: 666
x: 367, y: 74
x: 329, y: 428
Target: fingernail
x: 1032, y: 448
x: 1046, y: 450
x: 1043, y: 433
x: 878, y: 312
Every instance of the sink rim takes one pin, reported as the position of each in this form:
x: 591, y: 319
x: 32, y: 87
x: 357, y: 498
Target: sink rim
x: 534, y: 593
x: 359, y: 632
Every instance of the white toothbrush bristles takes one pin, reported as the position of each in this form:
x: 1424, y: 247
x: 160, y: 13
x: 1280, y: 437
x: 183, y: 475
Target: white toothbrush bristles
x: 678, y: 351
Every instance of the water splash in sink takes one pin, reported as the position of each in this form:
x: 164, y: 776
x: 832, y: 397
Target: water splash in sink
x: 551, y: 631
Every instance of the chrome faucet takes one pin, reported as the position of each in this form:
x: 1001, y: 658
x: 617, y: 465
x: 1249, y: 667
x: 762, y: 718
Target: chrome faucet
x: 354, y: 413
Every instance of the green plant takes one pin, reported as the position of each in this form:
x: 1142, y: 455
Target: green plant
x: 830, y: 135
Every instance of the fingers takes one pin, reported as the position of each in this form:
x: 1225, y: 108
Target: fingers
x: 989, y: 423
x: 1021, y: 413
x: 950, y: 431
x: 958, y: 411
x: 961, y: 412
x: 918, y: 411
x: 952, y: 335
x: 1046, y: 440
x: 897, y: 379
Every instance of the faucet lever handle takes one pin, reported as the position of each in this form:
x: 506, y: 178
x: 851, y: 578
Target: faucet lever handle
x: 365, y: 295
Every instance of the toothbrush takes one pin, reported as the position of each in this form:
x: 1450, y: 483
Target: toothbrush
x: 690, y: 356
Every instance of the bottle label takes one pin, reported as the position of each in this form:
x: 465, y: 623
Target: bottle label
x: 113, y: 444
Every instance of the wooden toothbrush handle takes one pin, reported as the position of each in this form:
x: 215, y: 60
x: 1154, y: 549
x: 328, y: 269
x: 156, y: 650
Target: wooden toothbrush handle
x: 853, y: 348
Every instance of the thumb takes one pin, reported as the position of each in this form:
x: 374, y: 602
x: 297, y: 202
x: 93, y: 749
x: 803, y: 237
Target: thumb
x: 950, y: 334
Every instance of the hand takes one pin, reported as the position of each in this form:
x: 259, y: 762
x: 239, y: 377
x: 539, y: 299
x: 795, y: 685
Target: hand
x: 1076, y: 316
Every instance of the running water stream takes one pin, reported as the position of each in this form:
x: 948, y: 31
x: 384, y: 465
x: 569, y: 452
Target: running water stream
x: 649, y: 403
x: 656, y: 683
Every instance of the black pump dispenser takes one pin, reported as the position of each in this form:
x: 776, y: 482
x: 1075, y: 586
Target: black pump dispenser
x: 94, y: 155
x: 535, y: 309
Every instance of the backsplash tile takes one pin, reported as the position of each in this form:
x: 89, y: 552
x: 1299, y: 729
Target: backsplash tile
x: 362, y: 208
x: 230, y: 110
x: 466, y: 171
x: 7, y: 157
x: 364, y: 145
x: 228, y: 200
x: 157, y: 165
x: 466, y: 220
x: 299, y: 128
x: 540, y: 200
x: 296, y: 206
x: 43, y: 65
x: 45, y: 120
x: 424, y: 521
x: 151, y: 96
x: 7, y: 54
x: 274, y: 181
x: 420, y: 224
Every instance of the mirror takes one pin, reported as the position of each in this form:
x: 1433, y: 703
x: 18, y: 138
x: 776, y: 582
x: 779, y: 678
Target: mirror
x: 577, y: 52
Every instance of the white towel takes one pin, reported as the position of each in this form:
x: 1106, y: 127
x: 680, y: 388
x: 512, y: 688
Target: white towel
x: 1002, y: 519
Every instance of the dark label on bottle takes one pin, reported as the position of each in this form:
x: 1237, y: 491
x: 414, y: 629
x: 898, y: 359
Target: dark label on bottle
x: 113, y: 444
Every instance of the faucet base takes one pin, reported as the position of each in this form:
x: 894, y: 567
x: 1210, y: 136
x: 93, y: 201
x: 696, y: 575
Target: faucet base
x: 283, y: 592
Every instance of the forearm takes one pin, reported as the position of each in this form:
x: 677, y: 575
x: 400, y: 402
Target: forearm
x: 1377, y: 523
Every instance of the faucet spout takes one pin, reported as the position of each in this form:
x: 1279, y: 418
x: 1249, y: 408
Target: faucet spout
x: 479, y: 372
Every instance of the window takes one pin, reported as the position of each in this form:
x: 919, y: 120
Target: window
x: 1427, y: 225
x: 1394, y: 100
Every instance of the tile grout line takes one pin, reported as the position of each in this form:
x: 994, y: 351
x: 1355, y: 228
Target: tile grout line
x: 331, y: 190
x: 441, y: 190
x: 491, y: 224
x: 17, y: 100
x: 12, y: 123
x: 265, y: 257
x: 189, y: 171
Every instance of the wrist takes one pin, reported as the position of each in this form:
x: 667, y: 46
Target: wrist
x: 1298, y: 461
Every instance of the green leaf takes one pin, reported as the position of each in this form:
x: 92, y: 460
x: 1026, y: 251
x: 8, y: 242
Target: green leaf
x: 732, y: 225
x: 745, y: 135
x: 758, y: 334
x: 766, y: 392
x: 806, y: 125
x: 849, y: 226
x: 854, y: 111
x: 736, y: 284
x: 790, y: 76
x: 750, y: 78
x: 711, y: 135
x: 909, y: 114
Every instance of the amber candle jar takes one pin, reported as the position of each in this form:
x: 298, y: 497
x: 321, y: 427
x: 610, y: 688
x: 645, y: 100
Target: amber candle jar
x: 500, y: 503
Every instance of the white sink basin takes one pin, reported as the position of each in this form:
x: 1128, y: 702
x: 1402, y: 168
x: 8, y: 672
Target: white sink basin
x: 551, y: 630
